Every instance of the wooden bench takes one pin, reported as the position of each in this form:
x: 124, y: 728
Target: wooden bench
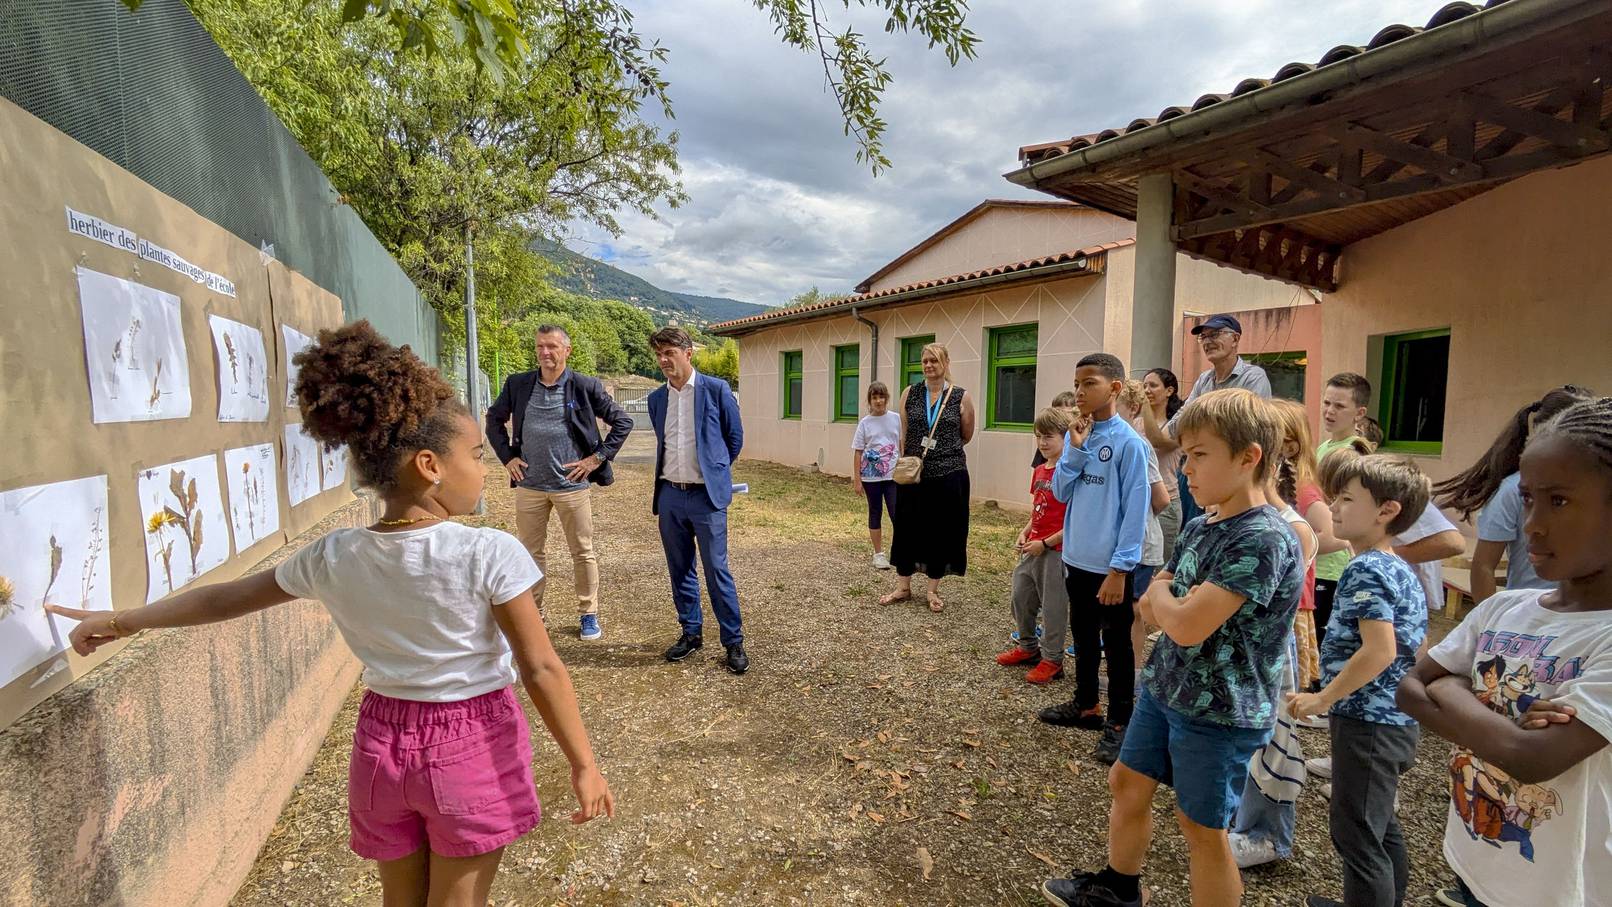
x: 1458, y: 587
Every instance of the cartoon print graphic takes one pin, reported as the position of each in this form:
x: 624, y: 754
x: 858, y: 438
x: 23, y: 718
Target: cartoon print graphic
x: 878, y: 461
x: 1493, y: 806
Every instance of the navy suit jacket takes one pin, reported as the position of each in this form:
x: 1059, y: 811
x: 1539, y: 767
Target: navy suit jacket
x: 718, y: 437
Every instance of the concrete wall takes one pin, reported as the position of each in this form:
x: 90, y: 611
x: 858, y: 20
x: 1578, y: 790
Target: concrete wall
x: 1521, y: 277
x: 1295, y: 329
x: 1005, y: 235
x: 1070, y: 313
x: 155, y: 779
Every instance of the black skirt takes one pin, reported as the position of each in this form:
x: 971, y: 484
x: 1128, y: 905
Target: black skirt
x: 931, y: 534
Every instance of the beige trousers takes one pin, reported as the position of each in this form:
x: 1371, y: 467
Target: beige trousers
x: 575, y: 509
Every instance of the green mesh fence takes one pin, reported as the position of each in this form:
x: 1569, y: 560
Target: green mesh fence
x: 152, y: 92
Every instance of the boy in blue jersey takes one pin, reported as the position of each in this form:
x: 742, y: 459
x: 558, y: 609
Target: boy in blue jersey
x: 1102, y: 478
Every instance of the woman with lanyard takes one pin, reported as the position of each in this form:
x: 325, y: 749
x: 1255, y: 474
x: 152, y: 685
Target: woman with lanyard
x: 937, y: 419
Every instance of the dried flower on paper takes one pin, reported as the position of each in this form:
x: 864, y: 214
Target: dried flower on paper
x: 8, y: 598
x: 229, y: 348
x: 92, y: 554
x: 55, y: 567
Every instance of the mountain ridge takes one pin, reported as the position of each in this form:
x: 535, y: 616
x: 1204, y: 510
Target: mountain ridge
x: 577, y: 273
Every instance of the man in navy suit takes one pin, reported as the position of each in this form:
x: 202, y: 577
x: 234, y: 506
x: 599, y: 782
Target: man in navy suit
x: 697, y: 438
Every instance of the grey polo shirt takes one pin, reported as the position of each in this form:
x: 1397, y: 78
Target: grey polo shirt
x: 546, y: 439
x: 1244, y: 374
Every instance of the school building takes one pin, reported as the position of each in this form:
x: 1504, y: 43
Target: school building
x: 1018, y: 291
x: 1447, y: 189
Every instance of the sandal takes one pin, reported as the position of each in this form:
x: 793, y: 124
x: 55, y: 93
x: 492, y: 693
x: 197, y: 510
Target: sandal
x: 936, y: 605
x: 900, y: 595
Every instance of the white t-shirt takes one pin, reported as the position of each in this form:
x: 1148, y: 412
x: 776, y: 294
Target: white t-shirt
x: 1430, y: 523
x: 416, y: 606
x: 1549, y: 842
x: 879, y: 439
x: 1153, y: 533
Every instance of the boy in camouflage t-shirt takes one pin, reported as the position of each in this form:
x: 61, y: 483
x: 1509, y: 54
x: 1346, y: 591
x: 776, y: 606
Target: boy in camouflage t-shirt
x: 1226, y: 603
x: 1379, y: 618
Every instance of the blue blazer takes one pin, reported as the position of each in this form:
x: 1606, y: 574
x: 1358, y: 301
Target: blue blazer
x: 718, y: 437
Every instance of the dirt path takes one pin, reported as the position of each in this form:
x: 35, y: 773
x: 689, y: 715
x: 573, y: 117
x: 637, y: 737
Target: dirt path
x: 873, y: 755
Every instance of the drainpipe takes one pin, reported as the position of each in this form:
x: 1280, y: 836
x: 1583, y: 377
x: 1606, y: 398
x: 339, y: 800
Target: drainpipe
x: 873, y: 328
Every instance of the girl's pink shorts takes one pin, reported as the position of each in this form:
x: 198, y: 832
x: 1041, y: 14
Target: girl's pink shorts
x: 454, y: 775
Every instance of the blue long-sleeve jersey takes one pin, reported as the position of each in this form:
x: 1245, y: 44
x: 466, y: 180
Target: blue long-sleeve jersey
x: 1104, y: 482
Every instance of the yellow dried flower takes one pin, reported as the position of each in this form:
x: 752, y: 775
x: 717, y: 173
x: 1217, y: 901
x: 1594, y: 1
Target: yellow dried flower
x: 158, y: 520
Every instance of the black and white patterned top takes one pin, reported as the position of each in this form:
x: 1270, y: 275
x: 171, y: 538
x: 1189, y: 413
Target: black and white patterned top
x: 947, y: 456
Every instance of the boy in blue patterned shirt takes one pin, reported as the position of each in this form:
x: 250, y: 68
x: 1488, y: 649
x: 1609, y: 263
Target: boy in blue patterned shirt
x: 1226, y: 602
x: 1379, y: 617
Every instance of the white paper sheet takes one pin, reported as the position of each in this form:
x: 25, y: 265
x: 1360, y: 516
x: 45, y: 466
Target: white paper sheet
x: 243, y: 371
x: 301, y: 465
x: 334, y: 466
x: 134, y: 347
x: 55, y: 550
x: 254, y: 493
x: 182, y: 516
x: 295, y: 342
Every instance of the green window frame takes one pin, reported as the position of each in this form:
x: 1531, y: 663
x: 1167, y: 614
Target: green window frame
x: 847, y: 383
x: 912, y: 360
x: 1010, y: 377
x: 1415, y: 367
x: 794, y: 385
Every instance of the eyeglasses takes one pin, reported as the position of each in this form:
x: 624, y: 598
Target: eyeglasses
x: 1207, y: 336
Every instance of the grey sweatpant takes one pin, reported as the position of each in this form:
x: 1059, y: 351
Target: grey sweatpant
x: 1038, y: 589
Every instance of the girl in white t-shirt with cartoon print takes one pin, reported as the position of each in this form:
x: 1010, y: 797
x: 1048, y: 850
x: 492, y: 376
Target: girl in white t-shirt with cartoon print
x: 874, y: 449
x: 1523, y: 688
x: 439, y: 613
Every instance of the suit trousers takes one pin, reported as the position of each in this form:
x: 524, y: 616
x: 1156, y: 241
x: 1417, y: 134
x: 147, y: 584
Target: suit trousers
x: 689, y: 523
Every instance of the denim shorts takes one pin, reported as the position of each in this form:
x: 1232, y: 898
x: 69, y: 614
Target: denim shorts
x: 1213, y: 758
x: 1141, y: 577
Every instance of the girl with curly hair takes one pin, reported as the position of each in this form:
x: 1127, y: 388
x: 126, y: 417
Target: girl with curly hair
x: 440, y: 613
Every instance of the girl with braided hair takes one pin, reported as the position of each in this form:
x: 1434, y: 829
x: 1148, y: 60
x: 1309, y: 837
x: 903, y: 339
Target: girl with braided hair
x: 1490, y: 486
x: 440, y: 613
x: 1556, y: 645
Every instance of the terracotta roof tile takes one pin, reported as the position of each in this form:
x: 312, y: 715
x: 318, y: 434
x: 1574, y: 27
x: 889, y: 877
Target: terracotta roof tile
x: 1451, y: 12
x: 846, y: 302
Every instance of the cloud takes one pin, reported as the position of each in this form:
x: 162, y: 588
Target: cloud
x: 777, y: 200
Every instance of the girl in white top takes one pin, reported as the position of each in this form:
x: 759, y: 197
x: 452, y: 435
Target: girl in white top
x: 439, y: 613
x: 874, y: 449
x: 1523, y: 688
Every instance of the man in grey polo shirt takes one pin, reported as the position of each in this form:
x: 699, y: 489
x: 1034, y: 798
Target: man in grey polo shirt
x: 554, y: 455
x: 1218, y: 336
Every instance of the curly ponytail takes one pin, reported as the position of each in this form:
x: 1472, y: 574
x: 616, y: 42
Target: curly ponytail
x: 379, y: 400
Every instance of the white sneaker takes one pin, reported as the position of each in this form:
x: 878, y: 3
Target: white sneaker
x: 880, y: 561
x: 1314, y: 722
x: 1320, y: 767
x: 1250, y: 852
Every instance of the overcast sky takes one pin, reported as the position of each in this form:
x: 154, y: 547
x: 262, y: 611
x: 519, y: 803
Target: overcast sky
x: 777, y: 201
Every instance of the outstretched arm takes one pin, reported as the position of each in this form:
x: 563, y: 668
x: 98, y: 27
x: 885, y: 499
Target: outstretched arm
x: 204, y: 605
x: 549, y: 685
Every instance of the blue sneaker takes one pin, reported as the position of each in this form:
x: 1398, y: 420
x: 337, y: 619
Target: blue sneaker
x: 1015, y: 634
x: 590, y: 627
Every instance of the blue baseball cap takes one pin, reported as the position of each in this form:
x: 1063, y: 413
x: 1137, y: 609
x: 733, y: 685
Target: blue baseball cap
x: 1219, y: 323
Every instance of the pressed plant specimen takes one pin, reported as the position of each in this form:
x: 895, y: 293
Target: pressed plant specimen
x: 251, y: 518
x: 156, y: 387
x: 8, y: 598
x: 229, y: 348
x: 186, y: 518
x: 134, y: 357
x: 165, y: 546
x: 55, y: 567
x: 91, y: 554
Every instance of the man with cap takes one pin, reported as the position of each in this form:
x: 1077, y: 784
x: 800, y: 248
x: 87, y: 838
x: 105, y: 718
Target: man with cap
x: 1218, y: 335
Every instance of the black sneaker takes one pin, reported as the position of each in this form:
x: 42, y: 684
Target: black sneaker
x: 1083, y: 890
x: 1107, y: 751
x: 685, y: 645
x: 1070, y: 715
x: 738, y: 662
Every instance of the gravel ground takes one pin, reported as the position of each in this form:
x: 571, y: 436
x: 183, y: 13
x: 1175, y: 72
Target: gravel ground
x: 873, y: 755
